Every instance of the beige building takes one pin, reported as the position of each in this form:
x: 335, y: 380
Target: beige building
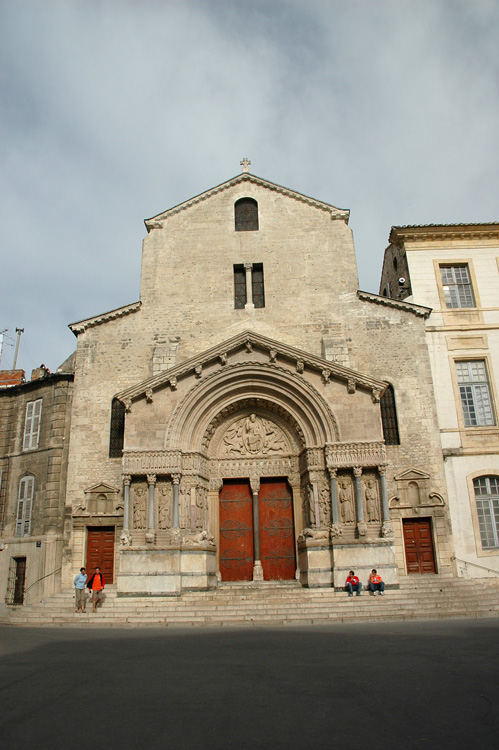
x: 253, y: 416
x: 454, y: 270
x: 34, y: 439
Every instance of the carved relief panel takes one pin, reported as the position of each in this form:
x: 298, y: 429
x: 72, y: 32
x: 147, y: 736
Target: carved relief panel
x: 138, y: 496
x: 253, y: 436
x: 164, y: 494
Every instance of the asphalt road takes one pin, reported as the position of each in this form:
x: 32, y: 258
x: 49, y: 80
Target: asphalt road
x: 373, y: 685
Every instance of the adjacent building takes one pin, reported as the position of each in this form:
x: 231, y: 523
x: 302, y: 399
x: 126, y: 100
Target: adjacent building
x: 34, y: 439
x: 454, y: 270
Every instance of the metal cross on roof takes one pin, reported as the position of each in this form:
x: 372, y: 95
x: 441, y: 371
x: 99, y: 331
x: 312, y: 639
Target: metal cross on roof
x: 245, y: 163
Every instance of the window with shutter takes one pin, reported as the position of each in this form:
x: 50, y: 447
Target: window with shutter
x: 25, y: 506
x: 32, y: 424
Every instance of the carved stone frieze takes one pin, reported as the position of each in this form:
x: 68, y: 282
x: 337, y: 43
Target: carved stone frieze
x: 262, y: 467
x: 340, y: 455
x: 148, y: 462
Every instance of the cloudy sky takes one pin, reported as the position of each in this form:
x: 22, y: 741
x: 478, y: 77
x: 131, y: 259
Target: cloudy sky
x: 114, y: 110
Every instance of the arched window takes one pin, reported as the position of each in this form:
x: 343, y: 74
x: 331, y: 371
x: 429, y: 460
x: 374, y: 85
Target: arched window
x: 487, y: 508
x: 246, y: 215
x: 117, y: 432
x: 25, y: 505
x: 389, y: 417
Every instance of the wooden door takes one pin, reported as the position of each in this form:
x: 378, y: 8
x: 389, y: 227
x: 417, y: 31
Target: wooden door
x: 418, y: 545
x: 20, y: 580
x: 277, y: 539
x: 100, y: 551
x: 236, y: 531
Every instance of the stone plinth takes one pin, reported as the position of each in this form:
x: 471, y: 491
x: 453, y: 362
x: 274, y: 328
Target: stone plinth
x: 165, y: 572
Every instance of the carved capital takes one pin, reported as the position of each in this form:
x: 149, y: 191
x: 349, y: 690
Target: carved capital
x: 382, y: 471
x: 176, y: 478
x: 333, y: 473
x: 357, y: 471
x: 248, y: 266
x: 127, y: 480
x: 151, y: 479
x: 255, y: 484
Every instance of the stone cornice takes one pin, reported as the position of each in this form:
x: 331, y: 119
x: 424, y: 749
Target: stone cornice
x: 419, y: 310
x: 429, y: 232
x: 156, y: 222
x: 81, y: 325
x: 248, y: 339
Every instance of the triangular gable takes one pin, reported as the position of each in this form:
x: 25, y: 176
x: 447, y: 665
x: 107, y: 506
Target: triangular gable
x: 249, y: 340
x: 412, y: 474
x: 156, y: 222
x: 101, y: 488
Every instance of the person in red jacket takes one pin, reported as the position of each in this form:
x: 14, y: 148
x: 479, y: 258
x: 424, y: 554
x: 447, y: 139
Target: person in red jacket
x: 376, y: 583
x: 96, y: 586
x: 353, y: 584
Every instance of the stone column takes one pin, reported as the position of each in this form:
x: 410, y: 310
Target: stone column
x: 387, y: 528
x: 176, y: 482
x: 317, y: 510
x: 151, y: 532
x: 361, y: 524
x: 257, y: 563
x: 248, y: 267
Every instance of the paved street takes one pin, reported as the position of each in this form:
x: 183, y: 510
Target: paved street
x: 394, y: 685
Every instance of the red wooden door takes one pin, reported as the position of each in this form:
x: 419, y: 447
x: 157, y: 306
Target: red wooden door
x: 277, y: 539
x: 418, y: 545
x: 236, y: 531
x: 100, y: 551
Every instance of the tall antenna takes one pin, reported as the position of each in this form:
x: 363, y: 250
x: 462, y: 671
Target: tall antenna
x: 18, y: 331
x: 1, y: 343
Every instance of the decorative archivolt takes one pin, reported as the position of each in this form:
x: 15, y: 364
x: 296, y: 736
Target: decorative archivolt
x: 299, y: 401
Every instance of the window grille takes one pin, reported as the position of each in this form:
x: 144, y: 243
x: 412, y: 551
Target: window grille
x: 117, y: 431
x: 246, y: 215
x: 24, y: 506
x: 16, y: 581
x: 475, y: 393
x: 32, y: 424
x: 389, y: 417
x: 240, y: 297
x: 457, y: 287
x: 487, y: 506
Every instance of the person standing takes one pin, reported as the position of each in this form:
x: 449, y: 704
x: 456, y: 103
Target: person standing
x: 376, y: 583
x: 353, y: 584
x: 96, y: 586
x: 79, y: 584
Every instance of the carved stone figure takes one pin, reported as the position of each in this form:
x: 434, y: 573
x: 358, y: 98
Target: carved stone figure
x: 372, y: 505
x: 346, y: 502
x: 201, y: 507
x: 336, y: 531
x: 253, y: 436
x: 165, y: 499
x: 125, y: 538
x: 202, y: 538
x: 325, y: 506
x: 139, y: 508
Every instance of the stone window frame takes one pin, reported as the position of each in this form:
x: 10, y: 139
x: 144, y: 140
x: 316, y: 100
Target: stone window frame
x: 458, y: 397
x: 32, y: 424
x: 452, y: 262
x: 24, y: 507
x: 484, y: 472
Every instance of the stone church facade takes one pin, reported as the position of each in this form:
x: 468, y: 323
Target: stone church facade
x: 254, y: 417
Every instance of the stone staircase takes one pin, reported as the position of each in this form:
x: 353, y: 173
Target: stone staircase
x: 422, y: 597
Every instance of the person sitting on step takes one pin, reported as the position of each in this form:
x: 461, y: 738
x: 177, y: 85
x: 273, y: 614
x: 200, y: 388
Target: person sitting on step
x: 353, y: 584
x: 376, y: 583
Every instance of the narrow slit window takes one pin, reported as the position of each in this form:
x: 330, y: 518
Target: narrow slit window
x: 117, y: 431
x: 257, y: 285
x: 389, y: 417
x: 240, y: 295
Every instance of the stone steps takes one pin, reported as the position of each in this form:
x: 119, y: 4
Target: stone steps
x: 248, y: 605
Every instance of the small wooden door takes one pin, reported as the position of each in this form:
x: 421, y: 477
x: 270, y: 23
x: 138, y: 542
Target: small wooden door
x: 100, y: 551
x: 236, y: 531
x: 277, y: 539
x: 20, y: 580
x: 418, y: 545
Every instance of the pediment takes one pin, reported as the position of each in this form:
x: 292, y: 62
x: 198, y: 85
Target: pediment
x: 414, y: 475
x: 276, y: 354
x: 101, y: 488
x: 157, y: 222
